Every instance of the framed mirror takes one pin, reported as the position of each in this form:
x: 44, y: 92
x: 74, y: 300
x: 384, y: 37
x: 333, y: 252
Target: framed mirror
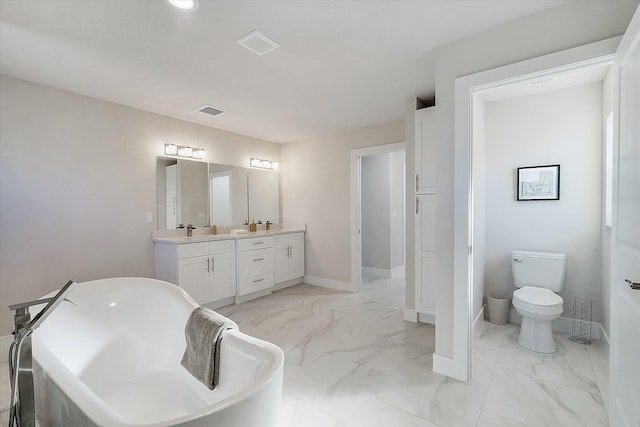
x: 203, y: 194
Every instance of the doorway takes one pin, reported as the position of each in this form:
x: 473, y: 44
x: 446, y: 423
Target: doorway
x: 377, y: 214
x: 469, y: 107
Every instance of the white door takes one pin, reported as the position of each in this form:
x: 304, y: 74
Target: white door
x: 221, y: 211
x: 625, y: 303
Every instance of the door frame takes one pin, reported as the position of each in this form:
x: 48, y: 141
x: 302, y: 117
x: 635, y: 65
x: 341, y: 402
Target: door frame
x: 466, y: 88
x: 356, y: 209
x: 624, y: 254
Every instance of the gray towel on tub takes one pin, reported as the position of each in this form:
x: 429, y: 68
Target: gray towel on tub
x: 203, y: 334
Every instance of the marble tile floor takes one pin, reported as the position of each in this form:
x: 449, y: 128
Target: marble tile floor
x: 351, y: 360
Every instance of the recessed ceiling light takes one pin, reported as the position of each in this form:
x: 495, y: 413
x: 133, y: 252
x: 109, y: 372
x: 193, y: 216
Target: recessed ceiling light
x: 184, y: 4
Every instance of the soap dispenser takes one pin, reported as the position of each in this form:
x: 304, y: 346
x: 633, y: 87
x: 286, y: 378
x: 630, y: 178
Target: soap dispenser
x: 253, y: 226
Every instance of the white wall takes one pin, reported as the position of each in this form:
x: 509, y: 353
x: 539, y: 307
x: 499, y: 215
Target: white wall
x: 570, y: 25
x: 396, y: 205
x: 382, y: 209
x: 376, y: 226
x: 77, y: 176
x: 558, y: 127
x: 315, y: 177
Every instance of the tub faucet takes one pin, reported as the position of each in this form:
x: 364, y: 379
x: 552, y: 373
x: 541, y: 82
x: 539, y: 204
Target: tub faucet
x: 22, y: 409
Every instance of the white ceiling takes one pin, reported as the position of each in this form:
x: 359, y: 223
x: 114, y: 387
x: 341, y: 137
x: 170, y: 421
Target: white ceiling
x: 341, y: 65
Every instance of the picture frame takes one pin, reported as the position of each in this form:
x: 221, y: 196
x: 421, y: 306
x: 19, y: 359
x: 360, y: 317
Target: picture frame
x: 538, y: 183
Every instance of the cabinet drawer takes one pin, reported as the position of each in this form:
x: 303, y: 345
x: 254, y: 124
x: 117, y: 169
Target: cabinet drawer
x: 222, y: 246
x: 285, y: 239
x: 281, y: 239
x: 189, y: 250
x: 255, y: 260
x: 256, y: 281
x: 296, y: 237
x: 255, y: 243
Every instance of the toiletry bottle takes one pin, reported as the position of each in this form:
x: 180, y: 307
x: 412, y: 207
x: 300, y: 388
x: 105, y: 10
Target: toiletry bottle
x: 253, y: 226
x: 214, y: 229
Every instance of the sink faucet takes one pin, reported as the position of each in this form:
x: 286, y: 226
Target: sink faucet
x: 22, y: 412
x: 190, y: 229
x: 269, y: 223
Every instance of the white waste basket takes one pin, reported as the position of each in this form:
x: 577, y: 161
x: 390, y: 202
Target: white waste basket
x: 498, y: 310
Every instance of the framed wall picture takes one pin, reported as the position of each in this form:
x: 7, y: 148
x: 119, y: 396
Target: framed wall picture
x: 539, y: 183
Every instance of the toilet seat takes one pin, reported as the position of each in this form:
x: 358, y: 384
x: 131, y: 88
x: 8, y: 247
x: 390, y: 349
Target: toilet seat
x: 537, y: 300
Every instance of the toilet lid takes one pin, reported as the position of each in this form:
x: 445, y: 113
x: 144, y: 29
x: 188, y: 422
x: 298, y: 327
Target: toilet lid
x: 537, y: 296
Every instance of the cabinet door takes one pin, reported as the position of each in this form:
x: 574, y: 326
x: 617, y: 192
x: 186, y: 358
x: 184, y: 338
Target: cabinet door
x: 281, y: 263
x: 427, y: 279
x: 296, y: 260
x: 193, y: 277
x: 425, y: 145
x: 426, y: 223
x: 425, y: 254
x: 222, y: 281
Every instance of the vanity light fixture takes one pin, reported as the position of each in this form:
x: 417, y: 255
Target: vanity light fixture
x: 183, y: 151
x: 184, y: 4
x: 199, y: 153
x: 170, y: 149
x: 263, y: 164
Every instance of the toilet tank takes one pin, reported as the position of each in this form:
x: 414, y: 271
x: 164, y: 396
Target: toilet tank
x: 538, y: 269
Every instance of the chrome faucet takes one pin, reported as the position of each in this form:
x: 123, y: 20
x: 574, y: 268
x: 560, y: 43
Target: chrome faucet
x: 190, y: 229
x: 22, y: 409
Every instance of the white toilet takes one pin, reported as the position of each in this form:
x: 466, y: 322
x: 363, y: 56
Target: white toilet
x: 538, y: 275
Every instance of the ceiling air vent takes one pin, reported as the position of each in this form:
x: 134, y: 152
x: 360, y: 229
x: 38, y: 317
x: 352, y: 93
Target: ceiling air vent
x: 258, y: 43
x: 212, y: 111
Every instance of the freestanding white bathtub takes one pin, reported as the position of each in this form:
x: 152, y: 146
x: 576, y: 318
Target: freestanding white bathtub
x: 114, y: 360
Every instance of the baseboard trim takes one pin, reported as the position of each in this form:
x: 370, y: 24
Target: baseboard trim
x: 479, y: 316
x: 427, y: 318
x: 394, y: 273
x: 398, y: 272
x: 248, y: 297
x: 329, y: 283
x: 5, y: 343
x: 287, y: 283
x: 410, y: 315
x: 376, y: 272
x: 447, y: 366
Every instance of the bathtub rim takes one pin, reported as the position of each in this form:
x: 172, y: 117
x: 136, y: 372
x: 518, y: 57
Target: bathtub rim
x: 98, y: 411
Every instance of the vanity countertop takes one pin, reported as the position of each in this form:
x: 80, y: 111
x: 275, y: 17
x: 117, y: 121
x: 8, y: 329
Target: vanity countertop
x: 178, y: 240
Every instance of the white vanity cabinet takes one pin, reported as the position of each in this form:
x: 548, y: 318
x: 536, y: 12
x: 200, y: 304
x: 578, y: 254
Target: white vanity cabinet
x: 289, y: 257
x: 205, y: 270
x: 255, y: 265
